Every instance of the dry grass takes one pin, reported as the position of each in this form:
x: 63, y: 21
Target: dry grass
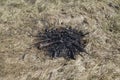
x: 21, y: 18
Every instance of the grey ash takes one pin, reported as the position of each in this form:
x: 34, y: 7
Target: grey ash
x: 61, y: 42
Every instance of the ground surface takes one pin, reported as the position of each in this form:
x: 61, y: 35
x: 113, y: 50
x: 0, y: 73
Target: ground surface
x: 19, y: 19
